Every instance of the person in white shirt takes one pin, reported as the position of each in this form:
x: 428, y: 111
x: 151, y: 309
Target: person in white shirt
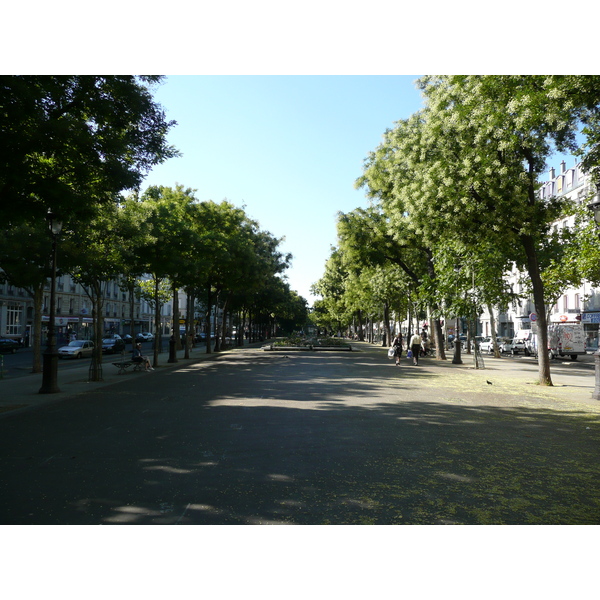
x: 415, y: 347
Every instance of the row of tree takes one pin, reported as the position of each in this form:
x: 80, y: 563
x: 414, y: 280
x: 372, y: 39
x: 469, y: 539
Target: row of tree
x: 76, y: 145
x: 455, y: 205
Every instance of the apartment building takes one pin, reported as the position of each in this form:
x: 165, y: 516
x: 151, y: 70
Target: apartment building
x: 73, y: 311
x: 581, y: 303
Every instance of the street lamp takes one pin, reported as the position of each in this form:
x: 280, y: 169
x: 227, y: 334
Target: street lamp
x: 50, y: 362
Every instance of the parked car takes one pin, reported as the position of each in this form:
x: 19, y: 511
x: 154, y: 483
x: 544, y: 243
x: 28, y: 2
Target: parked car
x: 113, y: 344
x: 519, y: 346
x: 7, y: 345
x: 486, y: 345
x: 463, y: 341
x: 145, y: 336
x: 504, y: 344
x: 76, y: 349
x: 127, y: 338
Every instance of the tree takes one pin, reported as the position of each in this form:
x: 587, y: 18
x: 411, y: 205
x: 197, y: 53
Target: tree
x: 72, y: 142
x: 483, y: 146
x: 25, y: 257
x: 93, y: 256
x: 164, y: 253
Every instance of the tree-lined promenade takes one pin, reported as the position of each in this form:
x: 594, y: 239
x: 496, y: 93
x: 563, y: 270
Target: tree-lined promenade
x: 80, y: 147
x: 455, y: 204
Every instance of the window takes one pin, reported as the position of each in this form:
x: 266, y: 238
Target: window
x: 14, y: 313
x: 565, y: 303
x: 577, y: 306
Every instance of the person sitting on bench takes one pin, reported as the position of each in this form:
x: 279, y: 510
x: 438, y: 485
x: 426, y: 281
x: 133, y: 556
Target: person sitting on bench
x: 139, y: 358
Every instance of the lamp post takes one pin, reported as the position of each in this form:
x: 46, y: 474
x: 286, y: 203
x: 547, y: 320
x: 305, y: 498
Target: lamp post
x: 595, y: 208
x: 50, y: 358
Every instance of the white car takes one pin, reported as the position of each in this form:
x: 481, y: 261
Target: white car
x: 76, y: 349
x: 504, y: 344
x: 144, y: 337
x: 487, y: 345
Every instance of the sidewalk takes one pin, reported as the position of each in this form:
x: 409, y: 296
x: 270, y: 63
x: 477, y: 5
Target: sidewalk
x: 22, y: 393
x: 573, y: 383
x: 501, y: 379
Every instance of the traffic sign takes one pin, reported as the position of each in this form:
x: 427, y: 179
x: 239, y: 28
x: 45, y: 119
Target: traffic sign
x: 533, y: 317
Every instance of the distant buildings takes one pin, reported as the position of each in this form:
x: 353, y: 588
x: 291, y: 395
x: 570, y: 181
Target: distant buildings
x: 582, y: 302
x: 74, y: 311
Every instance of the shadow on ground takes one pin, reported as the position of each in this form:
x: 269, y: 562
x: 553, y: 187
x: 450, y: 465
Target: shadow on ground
x: 251, y: 438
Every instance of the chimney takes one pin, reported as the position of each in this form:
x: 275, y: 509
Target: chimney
x: 552, y: 173
x: 563, y: 166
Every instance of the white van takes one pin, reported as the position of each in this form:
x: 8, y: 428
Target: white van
x: 565, y: 336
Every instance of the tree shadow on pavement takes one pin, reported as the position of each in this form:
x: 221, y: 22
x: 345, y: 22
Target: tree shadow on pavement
x: 302, y: 440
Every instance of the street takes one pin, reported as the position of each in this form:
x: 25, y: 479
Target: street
x: 19, y: 364
x: 308, y: 438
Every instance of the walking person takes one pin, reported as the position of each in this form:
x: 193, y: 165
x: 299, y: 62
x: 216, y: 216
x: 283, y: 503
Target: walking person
x: 397, y: 346
x: 424, y: 345
x: 415, y: 347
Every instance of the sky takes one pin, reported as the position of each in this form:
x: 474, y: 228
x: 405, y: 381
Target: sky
x: 287, y: 149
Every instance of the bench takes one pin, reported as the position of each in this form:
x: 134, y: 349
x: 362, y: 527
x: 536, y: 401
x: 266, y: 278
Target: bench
x: 124, y: 365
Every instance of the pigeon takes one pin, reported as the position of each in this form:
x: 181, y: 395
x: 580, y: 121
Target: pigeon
x: 488, y: 382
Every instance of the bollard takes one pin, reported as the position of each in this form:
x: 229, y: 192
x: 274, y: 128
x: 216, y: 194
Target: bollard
x: 596, y: 393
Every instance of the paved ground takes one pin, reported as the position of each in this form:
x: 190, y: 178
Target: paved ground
x: 306, y: 438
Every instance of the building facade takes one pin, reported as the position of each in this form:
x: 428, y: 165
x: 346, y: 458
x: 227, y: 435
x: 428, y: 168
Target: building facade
x: 73, y: 311
x: 581, y: 303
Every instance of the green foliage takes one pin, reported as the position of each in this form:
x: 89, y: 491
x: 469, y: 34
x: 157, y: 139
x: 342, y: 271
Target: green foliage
x: 72, y: 142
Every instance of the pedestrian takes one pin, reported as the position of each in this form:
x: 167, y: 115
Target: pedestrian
x: 139, y: 358
x: 424, y: 346
x: 415, y: 347
x: 397, y: 346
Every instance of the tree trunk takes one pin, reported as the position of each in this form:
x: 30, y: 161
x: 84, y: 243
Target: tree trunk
x: 208, y: 315
x: 157, y: 327
x: 224, y: 324
x: 38, y: 298
x: 540, y: 307
x: 438, y: 336
x: 387, y: 338
x: 217, y: 326
x: 132, y: 313
x: 190, y: 328
x: 361, y: 331
x: 493, y: 327
x: 175, y: 333
x: 98, y: 326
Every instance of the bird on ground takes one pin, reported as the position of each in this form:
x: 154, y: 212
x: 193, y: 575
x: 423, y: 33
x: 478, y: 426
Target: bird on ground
x: 488, y: 382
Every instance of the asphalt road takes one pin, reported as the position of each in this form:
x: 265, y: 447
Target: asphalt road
x: 304, y: 438
x: 19, y: 364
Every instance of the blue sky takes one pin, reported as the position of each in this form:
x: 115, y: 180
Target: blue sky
x: 288, y: 148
